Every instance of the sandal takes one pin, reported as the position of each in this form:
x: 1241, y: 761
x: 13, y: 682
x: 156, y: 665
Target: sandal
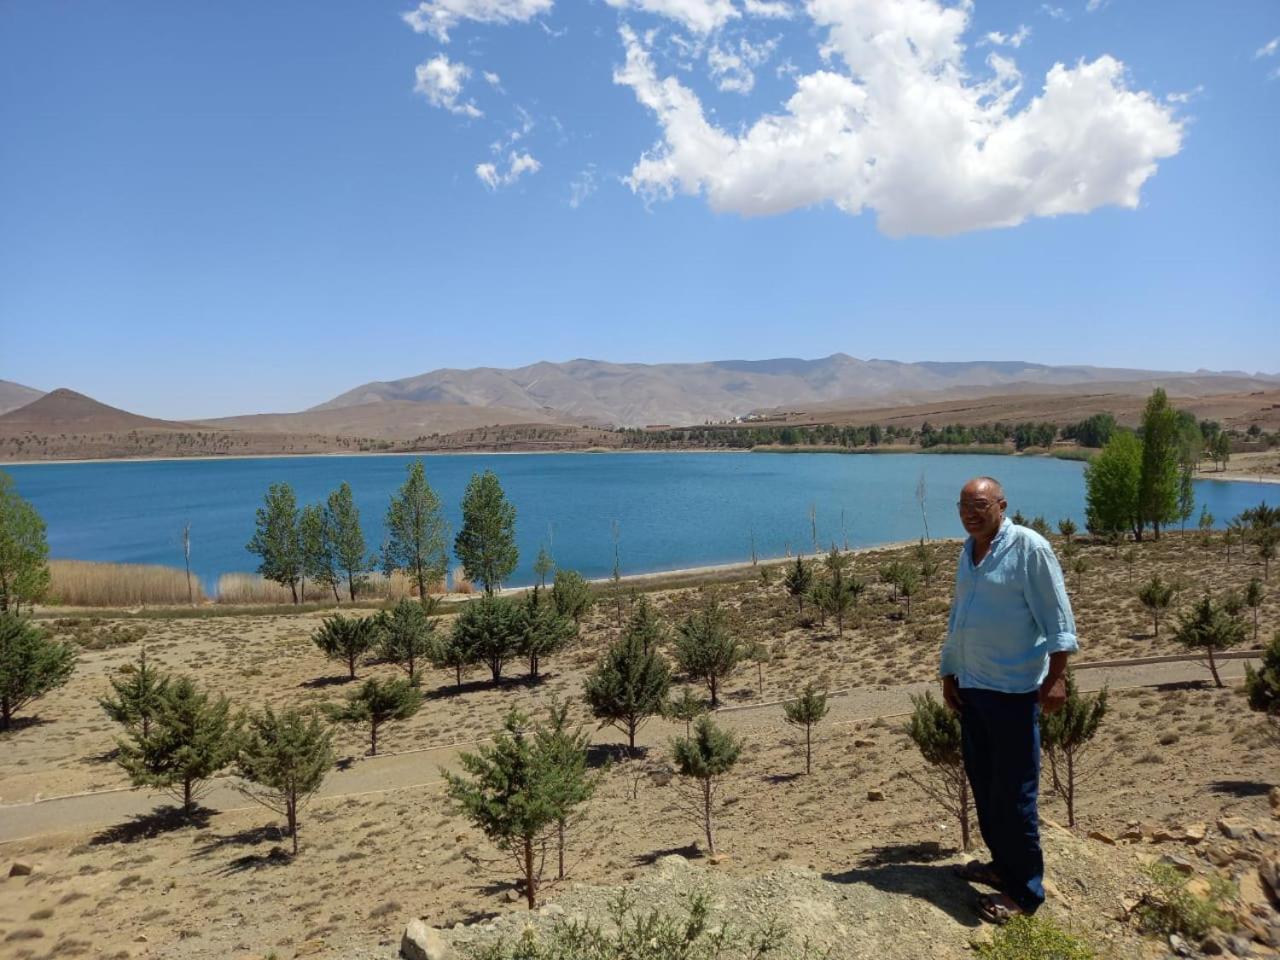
x: 998, y: 909
x: 975, y: 871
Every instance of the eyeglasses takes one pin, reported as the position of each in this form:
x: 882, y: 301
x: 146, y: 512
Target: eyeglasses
x: 975, y: 506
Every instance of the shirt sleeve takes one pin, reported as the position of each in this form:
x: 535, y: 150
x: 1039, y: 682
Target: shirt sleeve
x: 1046, y: 595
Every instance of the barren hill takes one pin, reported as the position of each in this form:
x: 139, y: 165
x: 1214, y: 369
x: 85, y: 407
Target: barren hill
x: 15, y: 395
x: 65, y: 411
x: 637, y: 394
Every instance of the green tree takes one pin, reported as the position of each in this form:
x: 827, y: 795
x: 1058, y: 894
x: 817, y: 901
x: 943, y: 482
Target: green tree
x: 1067, y: 528
x: 342, y: 524
x: 1156, y: 595
x: 346, y: 638
x: 192, y: 738
x: 564, y: 752
x: 630, y: 682
x: 416, y: 532
x: 1205, y: 523
x: 1158, y: 483
x: 377, y: 702
x: 841, y: 589
x: 687, y: 707
x: 1263, y: 685
x: 936, y: 731
x: 451, y: 652
x: 31, y: 664
x: 24, y: 551
x: 1222, y: 450
x: 543, y: 566
x: 490, y: 629
x: 809, y: 707
x: 1064, y: 737
x: 1079, y: 567
x: 706, y: 757
x: 543, y: 630
x: 1253, y: 597
x: 513, y: 794
x: 486, y: 544
x: 798, y: 581
x: 138, y: 695
x: 571, y: 594
x: 707, y: 650
x: 1113, y: 486
x: 318, y: 564
x: 1210, y: 628
x: 276, y: 541
x: 926, y: 561
x: 407, y: 635
x: 908, y: 586
x: 284, y: 758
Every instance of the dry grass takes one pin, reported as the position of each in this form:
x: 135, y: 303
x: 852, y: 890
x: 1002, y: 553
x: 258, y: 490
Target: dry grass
x: 80, y: 583
x: 251, y: 588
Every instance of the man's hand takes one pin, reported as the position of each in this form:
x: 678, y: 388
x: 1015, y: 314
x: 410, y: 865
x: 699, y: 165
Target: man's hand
x: 1053, y: 692
x: 951, y: 694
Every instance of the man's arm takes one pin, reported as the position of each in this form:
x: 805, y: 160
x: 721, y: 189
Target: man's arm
x: 1046, y: 595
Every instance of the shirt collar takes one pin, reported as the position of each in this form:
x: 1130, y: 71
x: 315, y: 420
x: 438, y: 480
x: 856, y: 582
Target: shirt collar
x: 1005, y: 526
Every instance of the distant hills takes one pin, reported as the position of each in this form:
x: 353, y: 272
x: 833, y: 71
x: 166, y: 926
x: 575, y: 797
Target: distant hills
x: 15, y: 395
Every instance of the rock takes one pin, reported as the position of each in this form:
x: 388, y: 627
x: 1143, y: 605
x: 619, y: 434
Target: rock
x: 1212, y: 945
x: 672, y: 861
x: 1234, y: 828
x: 875, y: 795
x: 1102, y: 837
x: 1265, y: 834
x: 1240, y: 946
x: 1179, y: 946
x: 421, y: 942
x: 1166, y: 835
x: 21, y: 868
x: 1274, y: 797
x: 1195, y: 832
x: 513, y: 895
x: 1269, y: 871
x: 1219, y: 855
x: 1131, y: 832
x: 1128, y: 905
x: 718, y: 858
x: 864, y: 743
x: 1181, y: 864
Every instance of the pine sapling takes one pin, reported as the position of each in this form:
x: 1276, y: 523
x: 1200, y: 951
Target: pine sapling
x: 1064, y: 737
x: 805, y: 710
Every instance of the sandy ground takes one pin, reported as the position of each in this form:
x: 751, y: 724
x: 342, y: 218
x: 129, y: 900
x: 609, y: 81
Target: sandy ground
x: 154, y: 886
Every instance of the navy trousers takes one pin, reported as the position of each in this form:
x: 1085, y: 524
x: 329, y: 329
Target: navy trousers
x: 1001, y: 741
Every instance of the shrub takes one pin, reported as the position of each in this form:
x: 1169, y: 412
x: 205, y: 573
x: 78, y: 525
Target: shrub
x: 1172, y: 908
x: 1033, y: 938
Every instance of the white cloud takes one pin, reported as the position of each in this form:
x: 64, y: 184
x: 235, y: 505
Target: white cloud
x: 438, y: 17
x: 769, y: 9
x: 1267, y: 49
x: 897, y: 125
x: 733, y: 68
x: 997, y: 39
x: 1057, y: 13
x: 1093, y: 6
x: 441, y: 83
x: 492, y: 79
x: 518, y: 164
x: 1184, y: 96
x: 583, y: 186
x: 700, y: 16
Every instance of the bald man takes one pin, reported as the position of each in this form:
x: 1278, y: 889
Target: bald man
x: 1004, y: 661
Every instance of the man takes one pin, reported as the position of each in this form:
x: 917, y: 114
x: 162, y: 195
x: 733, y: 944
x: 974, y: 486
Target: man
x: 1003, y: 662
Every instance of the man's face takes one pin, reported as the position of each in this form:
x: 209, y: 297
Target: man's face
x: 981, y: 510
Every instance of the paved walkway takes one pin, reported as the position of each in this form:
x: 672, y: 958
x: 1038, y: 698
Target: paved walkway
x: 421, y: 768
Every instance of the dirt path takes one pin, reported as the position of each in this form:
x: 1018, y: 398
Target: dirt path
x: 384, y: 774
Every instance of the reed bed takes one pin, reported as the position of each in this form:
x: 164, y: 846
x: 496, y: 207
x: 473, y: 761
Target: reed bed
x: 251, y: 588
x: 82, y: 583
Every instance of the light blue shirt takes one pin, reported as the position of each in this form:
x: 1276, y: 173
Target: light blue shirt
x: 1009, y: 613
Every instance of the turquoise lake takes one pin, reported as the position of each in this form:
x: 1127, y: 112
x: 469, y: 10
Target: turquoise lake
x: 671, y: 510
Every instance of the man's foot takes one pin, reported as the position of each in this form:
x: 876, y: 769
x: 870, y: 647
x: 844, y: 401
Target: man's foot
x: 975, y: 871
x: 997, y: 908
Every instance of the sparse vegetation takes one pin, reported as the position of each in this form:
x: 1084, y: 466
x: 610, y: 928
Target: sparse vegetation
x: 31, y: 664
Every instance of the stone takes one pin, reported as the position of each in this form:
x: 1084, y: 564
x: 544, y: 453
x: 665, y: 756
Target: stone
x: 1128, y: 905
x: 21, y: 868
x: 875, y: 795
x: 513, y: 895
x: 1274, y: 797
x: 718, y: 858
x: 1212, y: 945
x: 671, y: 863
x: 1179, y: 946
x: 1269, y: 872
x: 1195, y: 832
x: 421, y: 942
x: 1102, y: 837
x: 1219, y: 855
x: 1240, y: 946
x: 1234, y: 828
x: 1166, y: 835
x: 1181, y: 864
x: 864, y: 743
x: 1131, y: 832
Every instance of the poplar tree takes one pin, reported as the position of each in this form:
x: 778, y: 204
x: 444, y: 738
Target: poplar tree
x: 24, y: 551
x: 407, y: 635
x: 138, y: 695
x: 1064, y: 737
x: 571, y: 594
x: 276, y: 541
x: 1158, y: 483
x: 377, y: 702
x: 416, y: 532
x: 346, y: 638
x: 936, y: 731
x: 1113, y: 486
x: 283, y: 760
x: 707, y: 650
x: 318, y: 564
x: 342, y: 526
x: 1156, y: 595
x: 630, y: 682
x: 798, y: 581
x: 192, y: 738
x: 1210, y: 628
x: 486, y: 544
x: 706, y: 757
x: 489, y: 629
x: 804, y: 711
x: 31, y: 664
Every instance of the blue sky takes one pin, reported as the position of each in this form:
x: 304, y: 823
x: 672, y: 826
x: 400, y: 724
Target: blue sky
x: 240, y: 207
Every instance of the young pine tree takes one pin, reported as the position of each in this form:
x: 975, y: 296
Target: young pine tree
x: 706, y: 757
x: 804, y: 711
x: 1253, y: 597
x: 1156, y: 595
x: 31, y: 664
x: 1210, y: 628
x: 193, y: 736
x: 486, y: 544
x: 346, y: 638
x: 707, y: 650
x: 138, y: 695
x: 416, y: 532
x: 630, y: 682
x: 908, y: 586
x: 571, y: 595
x: 1066, y: 734
x: 378, y: 702
x: 276, y: 541
x: 936, y: 731
x: 283, y: 760
x: 564, y: 752
x: 1263, y: 685
x: 490, y: 630
x: 543, y: 631
x: 543, y: 566
x: 1067, y: 528
x: 407, y: 635
x: 686, y: 707
x: 799, y: 581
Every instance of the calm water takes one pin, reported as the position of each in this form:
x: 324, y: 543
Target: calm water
x: 670, y: 510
